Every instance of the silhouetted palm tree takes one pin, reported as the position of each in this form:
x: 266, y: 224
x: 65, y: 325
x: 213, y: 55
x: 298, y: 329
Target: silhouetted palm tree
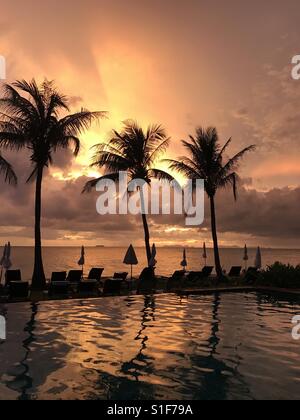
x: 136, y: 152
x: 7, y: 170
x: 205, y: 161
x: 30, y: 118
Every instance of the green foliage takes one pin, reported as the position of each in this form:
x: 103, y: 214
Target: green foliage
x: 281, y: 275
x: 134, y: 151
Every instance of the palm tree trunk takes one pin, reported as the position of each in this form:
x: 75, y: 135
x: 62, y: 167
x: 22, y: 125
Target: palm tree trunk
x: 38, y: 277
x: 146, y: 227
x: 147, y: 238
x: 215, y: 238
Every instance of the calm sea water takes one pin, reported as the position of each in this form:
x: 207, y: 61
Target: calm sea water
x: 61, y: 259
x: 223, y: 346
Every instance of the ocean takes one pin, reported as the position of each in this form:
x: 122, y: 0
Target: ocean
x: 168, y: 259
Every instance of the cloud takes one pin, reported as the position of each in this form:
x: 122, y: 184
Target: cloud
x: 69, y: 216
x: 130, y: 58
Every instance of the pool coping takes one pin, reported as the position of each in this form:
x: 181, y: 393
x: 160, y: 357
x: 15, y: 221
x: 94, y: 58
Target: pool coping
x: 239, y: 289
x: 180, y: 292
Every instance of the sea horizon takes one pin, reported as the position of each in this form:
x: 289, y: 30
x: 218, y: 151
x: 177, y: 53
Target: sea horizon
x: 65, y: 258
x: 162, y: 247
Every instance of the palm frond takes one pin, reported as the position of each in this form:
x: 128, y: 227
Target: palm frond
x: 32, y: 176
x: 16, y: 105
x: 12, y: 140
x: 6, y: 169
x: 234, y: 161
x: 56, y: 103
x: 225, y: 147
x: 161, y: 175
x: 182, y: 167
x: 66, y: 142
x: 111, y: 161
x: 37, y: 94
x: 232, y: 181
x: 158, y: 151
x: 76, y: 123
x: 205, y: 161
x: 90, y: 185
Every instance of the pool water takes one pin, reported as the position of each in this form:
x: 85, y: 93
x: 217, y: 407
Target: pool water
x: 223, y: 346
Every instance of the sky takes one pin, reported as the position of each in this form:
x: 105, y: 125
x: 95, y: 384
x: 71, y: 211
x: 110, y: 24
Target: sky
x: 182, y: 64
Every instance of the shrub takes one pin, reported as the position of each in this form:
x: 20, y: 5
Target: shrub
x: 281, y: 275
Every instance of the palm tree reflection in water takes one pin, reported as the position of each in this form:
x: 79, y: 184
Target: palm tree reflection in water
x: 23, y: 382
x: 133, y: 367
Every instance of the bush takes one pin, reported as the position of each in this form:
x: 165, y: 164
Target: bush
x: 281, y: 275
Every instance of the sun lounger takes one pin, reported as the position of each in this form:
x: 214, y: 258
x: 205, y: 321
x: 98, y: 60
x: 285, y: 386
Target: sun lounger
x: 112, y: 287
x: 88, y: 286
x: 96, y: 274
x: 18, y: 289
x: 12, y: 275
x: 207, y: 271
x: 74, y: 276
x: 175, y: 281
x: 147, y: 282
x: 59, y: 284
x: 121, y: 276
x: 235, y: 272
x: 59, y: 288
x: 194, y: 276
x: 59, y: 276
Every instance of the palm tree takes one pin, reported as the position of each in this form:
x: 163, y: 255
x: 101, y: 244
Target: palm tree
x: 30, y: 117
x: 135, y: 151
x: 8, y: 172
x: 205, y: 161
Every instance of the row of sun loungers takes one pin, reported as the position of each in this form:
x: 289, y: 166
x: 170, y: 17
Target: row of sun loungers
x: 63, y: 283
x: 181, y: 277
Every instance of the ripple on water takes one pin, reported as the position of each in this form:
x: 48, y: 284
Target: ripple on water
x: 231, y: 346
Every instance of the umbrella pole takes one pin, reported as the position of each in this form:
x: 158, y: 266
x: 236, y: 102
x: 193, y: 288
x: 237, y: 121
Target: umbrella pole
x: 1, y: 274
x: 131, y: 272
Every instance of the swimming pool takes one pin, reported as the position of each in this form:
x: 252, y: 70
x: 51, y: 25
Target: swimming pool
x: 223, y: 346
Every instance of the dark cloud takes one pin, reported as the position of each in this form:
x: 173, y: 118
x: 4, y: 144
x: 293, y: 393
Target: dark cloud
x: 68, y: 214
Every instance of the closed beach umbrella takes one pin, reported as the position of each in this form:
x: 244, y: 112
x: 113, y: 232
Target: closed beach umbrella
x: 258, y: 259
x: 130, y: 258
x: 7, y: 261
x: 204, y: 253
x: 153, y: 261
x: 4, y: 255
x: 246, y: 257
x: 82, y: 258
x: 184, y: 261
x: 2, y: 261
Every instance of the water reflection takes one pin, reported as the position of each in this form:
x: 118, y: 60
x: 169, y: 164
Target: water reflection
x: 39, y: 358
x: 22, y: 381
x: 142, y: 363
x: 217, y: 347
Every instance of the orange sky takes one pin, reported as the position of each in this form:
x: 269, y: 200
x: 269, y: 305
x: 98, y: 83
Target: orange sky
x: 178, y: 63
